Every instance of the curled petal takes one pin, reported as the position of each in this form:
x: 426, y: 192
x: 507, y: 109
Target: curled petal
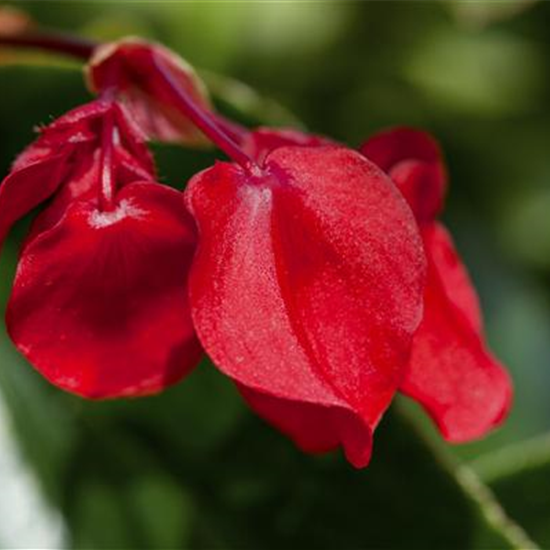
x: 128, y: 65
x: 99, y: 304
x: 26, y: 188
x: 82, y: 126
x: 451, y: 373
x: 306, y: 290
x: 72, y: 131
x: 41, y: 168
x: 413, y: 160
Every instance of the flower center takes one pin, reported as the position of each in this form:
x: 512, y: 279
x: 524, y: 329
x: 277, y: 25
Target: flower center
x: 125, y: 209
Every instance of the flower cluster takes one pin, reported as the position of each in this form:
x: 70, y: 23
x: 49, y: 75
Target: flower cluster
x: 313, y: 275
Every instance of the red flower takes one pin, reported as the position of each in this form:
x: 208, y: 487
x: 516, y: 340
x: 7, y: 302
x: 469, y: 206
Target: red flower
x: 451, y: 373
x: 306, y: 290
x: 99, y: 304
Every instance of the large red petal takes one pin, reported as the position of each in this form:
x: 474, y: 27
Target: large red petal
x: 452, y: 374
x: 100, y: 305
x: 413, y: 159
x: 306, y: 290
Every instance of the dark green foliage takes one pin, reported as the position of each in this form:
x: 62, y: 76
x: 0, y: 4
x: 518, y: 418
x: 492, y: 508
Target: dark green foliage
x: 519, y: 477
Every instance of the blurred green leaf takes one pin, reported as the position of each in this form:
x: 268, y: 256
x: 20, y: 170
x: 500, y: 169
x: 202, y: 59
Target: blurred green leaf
x: 490, y: 73
x: 131, y: 487
x: 262, y: 493
x: 119, y: 496
x: 484, y: 12
x: 527, y: 226
x: 520, y: 477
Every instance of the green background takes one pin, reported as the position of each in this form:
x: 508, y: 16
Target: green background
x: 193, y: 467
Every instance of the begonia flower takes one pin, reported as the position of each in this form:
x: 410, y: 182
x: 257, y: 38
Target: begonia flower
x: 306, y: 290
x: 99, y: 304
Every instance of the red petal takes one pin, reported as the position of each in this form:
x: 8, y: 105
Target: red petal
x: 315, y: 429
x: 260, y: 142
x: 99, y: 304
x: 413, y: 160
x: 72, y: 142
x: 40, y: 169
x: 25, y: 188
x: 454, y: 278
x: 306, y: 289
x: 452, y: 374
x: 128, y: 64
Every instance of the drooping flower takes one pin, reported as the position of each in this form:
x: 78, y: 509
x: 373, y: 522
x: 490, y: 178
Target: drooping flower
x: 306, y: 289
x: 99, y: 303
x: 308, y: 283
x: 451, y: 373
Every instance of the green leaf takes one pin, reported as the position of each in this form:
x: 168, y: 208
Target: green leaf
x: 263, y: 493
x: 130, y: 485
x: 520, y: 477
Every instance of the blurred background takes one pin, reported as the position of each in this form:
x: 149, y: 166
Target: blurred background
x: 193, y: 467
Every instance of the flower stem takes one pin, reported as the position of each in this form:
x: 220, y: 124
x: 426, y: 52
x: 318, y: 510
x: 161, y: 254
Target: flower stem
x: 203, y: 120
x: 58, y: 43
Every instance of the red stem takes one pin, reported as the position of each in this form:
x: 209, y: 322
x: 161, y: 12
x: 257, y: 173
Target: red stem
x: 205, y: 121
x: 58, y: 43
